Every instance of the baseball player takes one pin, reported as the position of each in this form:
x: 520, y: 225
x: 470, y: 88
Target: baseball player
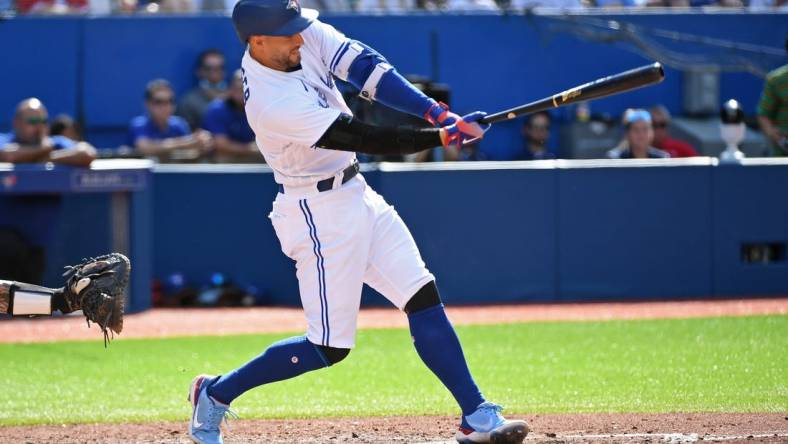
x: 340, y: 232
x: 95, y: 286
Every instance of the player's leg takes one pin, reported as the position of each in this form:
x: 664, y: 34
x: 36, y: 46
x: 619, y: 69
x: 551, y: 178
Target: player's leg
x: 398, y: 272
x: 321, y: 235
x: 21, y: 299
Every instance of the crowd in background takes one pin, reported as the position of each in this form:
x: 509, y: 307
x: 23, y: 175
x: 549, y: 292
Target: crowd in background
x: 361, y: 6
x: 208, y: 124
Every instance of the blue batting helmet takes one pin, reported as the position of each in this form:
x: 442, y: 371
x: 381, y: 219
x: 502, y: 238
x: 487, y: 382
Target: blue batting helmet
x: 270, y: 17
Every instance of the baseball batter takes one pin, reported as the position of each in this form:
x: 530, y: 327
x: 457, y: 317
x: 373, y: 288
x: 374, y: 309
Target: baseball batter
x: 340, y: 233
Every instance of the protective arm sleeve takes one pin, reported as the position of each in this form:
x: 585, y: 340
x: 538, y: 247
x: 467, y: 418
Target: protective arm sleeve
x: 369, y: 71
x: 349, y: 134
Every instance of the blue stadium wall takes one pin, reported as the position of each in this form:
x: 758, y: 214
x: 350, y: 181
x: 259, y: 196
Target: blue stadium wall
x: 515, y: 232
x: 96, y: 68
x: 490, y: 232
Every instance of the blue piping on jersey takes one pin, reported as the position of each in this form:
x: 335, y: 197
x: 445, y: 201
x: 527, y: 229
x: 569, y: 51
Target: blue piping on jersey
x: 338, y: 55
x: 321, y: 271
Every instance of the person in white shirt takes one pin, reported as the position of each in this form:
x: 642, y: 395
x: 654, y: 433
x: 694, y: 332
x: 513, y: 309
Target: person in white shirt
x: 340, y: 233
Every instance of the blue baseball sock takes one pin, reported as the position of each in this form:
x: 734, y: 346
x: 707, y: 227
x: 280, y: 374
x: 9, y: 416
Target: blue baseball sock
x: 438, y: 346
x: 282, y: 360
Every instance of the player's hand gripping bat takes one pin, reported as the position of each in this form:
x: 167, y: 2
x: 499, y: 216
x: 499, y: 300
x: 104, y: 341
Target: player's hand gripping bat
x: 607, y: 86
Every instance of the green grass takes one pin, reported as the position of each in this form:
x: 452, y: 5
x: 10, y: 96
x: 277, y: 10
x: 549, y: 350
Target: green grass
x: 720, y: 364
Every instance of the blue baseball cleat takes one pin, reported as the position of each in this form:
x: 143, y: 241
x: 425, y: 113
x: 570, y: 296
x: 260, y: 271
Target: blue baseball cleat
x: 486, y: 425
x: 207, y: 413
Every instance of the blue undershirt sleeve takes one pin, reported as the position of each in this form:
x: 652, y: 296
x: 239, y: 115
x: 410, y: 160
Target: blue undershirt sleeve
x: 379, y: 81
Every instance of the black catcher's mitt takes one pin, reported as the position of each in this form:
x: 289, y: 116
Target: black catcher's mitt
x: 97, y: 287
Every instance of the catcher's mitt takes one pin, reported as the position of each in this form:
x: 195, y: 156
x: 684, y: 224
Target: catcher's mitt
x: 97, y: 286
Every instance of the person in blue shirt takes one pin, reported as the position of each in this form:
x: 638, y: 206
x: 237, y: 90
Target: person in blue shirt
x: 30, y: 141
x: 225, y: 119
x: 160, y: 134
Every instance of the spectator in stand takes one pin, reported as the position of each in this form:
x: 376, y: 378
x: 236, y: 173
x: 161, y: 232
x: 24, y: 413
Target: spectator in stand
x: 211, y: 86
x: 30, y: 141
x: 160, y: 134
x: 660, y: 121
x: 52, y: 6
x: 773, y: 109
x: 536, y: 132
x: 471, y: 5
x: 620, y: 3
x: 768, y: 5
x: 64, y: 125
x: 225, y: 119
x: 638, y: 137
x: 519, y: 5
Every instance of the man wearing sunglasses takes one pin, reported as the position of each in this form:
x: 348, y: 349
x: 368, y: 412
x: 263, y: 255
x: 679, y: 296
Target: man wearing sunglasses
x: 161, y: 135
x: 30, y: 141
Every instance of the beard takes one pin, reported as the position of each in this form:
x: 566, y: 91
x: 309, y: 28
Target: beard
x: 289, y: 60
x: 294, y: 59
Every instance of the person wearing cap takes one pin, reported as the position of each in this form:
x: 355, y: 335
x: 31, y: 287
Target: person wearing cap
x: 30, y: 142
x: 339, y: 232
x: 638, y: 136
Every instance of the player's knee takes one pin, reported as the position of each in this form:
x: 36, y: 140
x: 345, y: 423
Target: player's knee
x: 425, y: 298
x: 333, y: 354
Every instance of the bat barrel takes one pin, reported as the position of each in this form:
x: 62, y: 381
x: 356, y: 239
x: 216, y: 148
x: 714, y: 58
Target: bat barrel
x: 604, y: 87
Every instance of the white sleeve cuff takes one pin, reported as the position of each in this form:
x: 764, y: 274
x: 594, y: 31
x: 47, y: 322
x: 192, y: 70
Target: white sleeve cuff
x: 370, y: 89
x: 342, y: 66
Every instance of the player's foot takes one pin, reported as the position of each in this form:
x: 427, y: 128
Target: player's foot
x: 207, y: 413
x: 486, y: 425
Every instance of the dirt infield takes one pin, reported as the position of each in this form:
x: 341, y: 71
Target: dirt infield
x: 228, y: 321
x: 546, y: 428
x: 579, y: 428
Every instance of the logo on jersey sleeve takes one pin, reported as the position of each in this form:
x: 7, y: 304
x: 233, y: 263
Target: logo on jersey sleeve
x: 329, y: 81
x: 322, y: 100
x: 293, y: 4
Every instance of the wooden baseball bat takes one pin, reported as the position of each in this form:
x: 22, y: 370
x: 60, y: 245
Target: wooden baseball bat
x: 606, y: 86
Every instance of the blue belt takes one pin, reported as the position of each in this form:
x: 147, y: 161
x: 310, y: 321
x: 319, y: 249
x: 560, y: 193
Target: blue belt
x: 327, y: 184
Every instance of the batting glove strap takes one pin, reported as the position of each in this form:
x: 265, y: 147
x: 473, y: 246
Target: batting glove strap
x: 439, y: 115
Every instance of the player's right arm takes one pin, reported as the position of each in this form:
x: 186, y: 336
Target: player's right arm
x: 349, y: 134
x: 16, y: 153
x: 301, y: 119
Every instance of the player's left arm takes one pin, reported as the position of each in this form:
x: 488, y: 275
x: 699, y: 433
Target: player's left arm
x: 366, y: 69
x: 379, y: 81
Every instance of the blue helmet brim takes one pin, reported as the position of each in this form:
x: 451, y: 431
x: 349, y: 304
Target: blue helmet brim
x: 297, y: 24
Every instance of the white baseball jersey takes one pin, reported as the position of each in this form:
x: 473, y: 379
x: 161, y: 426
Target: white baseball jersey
x: 290, y: 111
x: 341, y: 238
